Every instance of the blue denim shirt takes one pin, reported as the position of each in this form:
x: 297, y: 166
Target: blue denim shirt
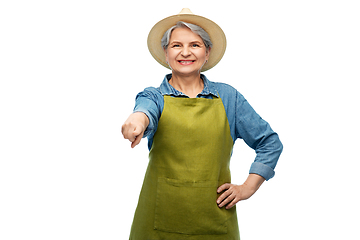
x: 244, y: 122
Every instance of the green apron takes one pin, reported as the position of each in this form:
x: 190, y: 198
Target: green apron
x: 189, y: 160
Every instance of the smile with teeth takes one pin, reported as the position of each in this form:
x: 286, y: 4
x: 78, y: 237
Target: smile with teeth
x: 186, y: 62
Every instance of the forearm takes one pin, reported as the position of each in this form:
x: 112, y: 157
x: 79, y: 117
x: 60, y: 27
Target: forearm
x: 253, y: 182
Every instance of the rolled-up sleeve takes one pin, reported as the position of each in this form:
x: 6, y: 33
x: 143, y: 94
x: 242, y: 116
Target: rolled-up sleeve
x: 258, y: 135
x: 150, y: 103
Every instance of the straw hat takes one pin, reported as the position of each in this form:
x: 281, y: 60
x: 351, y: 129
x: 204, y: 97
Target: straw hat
x: 216, y: 34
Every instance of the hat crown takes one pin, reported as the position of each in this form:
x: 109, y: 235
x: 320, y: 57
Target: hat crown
x: 186, y: 11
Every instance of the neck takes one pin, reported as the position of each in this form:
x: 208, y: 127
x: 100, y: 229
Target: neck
x: 190, y: 85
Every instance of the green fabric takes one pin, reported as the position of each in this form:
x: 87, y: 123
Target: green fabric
x: 189, y: 160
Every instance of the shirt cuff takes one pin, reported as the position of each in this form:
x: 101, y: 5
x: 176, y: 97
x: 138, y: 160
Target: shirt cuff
x: 263, y: 170
x: 150, y: 127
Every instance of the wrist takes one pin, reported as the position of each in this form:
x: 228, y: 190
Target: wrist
x: 253, y: 182
x: 142, y: 118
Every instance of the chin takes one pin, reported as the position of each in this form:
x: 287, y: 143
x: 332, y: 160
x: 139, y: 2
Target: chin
x: 187, y: 71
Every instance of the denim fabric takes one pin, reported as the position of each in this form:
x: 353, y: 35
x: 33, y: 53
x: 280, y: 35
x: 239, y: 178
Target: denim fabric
x: 244, y: 122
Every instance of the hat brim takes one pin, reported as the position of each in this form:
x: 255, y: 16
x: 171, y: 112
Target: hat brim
x: 216, y: 34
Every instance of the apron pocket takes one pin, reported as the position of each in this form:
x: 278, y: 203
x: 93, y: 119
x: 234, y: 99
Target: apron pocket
x: 189, y: 207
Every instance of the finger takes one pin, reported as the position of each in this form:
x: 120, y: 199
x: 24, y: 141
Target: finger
x: 136, y: 135
x: 125, y: 128
x: 223, y: 187
x: 137, y: 140
x: 223, y: 196
x: 232, y: 203
x: 137, y: 131
x: 128, y: 132
x: 131, y: 137
x: 227, y: 200
x: 131, y: 132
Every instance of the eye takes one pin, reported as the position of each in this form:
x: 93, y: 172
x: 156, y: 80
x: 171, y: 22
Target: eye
x: 175, y: 45
x: 195, y: 45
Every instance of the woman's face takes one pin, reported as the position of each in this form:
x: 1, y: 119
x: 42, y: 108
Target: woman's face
x: 186, y: 52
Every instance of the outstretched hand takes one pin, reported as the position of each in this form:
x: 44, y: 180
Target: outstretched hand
x: 134, y: 127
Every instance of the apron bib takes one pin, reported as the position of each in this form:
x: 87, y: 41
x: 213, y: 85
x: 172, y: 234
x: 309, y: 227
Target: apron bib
x: 188, y: 161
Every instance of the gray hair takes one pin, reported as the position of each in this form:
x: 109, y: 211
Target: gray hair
x: 194, y: 28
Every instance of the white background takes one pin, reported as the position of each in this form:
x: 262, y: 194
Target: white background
x: 70, y: 71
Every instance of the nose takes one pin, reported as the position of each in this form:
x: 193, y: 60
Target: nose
x: 185, y: 52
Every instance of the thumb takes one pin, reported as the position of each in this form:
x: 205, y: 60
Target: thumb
x: 223, y: 187
x: 138, y: 137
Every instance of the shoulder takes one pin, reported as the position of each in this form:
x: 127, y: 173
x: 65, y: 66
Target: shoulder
x: 149, y: 98
x: 150, y: 92
x: 227, y: 91
x: 220, y: 86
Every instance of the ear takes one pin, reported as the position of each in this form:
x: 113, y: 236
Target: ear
x: 166, y: 55
x: 208, y: 53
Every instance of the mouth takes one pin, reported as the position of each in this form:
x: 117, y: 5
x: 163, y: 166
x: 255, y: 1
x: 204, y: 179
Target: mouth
x: 186, y: 62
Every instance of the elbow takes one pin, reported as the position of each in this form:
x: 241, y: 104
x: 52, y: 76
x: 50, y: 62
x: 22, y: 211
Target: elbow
x: 270, y: 150
x: 280, y: 146
x: 277, y: 150
x: 277, y: 146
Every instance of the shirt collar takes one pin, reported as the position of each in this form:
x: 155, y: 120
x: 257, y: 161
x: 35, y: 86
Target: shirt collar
x: 167, y: 89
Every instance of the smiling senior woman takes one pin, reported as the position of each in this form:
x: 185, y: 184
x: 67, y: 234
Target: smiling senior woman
x: 192, y: 124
